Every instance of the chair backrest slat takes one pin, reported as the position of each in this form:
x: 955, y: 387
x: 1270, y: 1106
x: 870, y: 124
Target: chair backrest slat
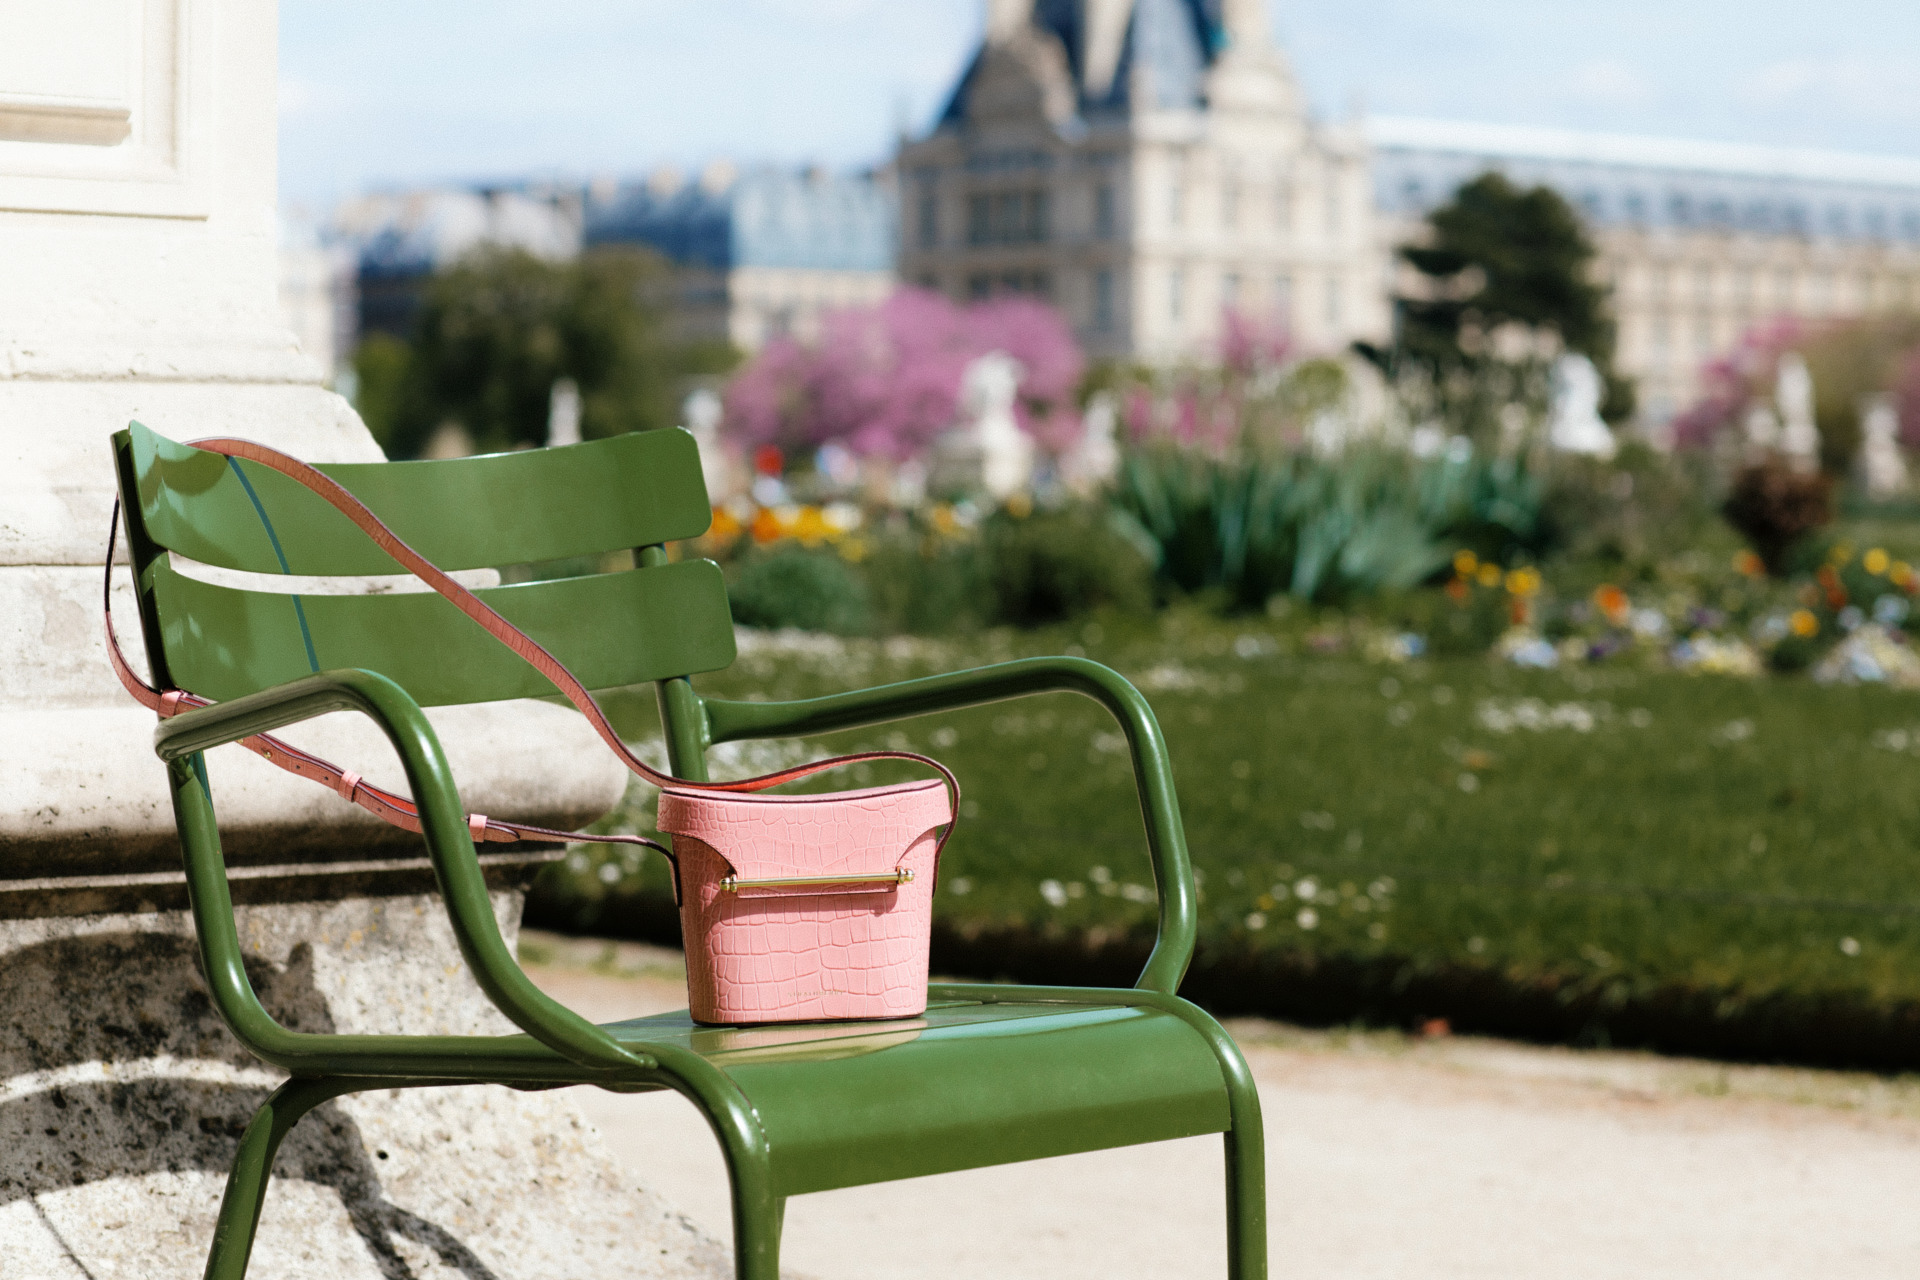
x: 632, y: 490
x: 644, y: 624
x: 608, y: 629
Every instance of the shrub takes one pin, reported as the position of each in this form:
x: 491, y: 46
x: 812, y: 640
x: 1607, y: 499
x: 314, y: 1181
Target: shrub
x: 1370, y: 520
x: 1774, y: 507
x: 1053, y: 566
x: 791, y: 586
x: 1630, y: 510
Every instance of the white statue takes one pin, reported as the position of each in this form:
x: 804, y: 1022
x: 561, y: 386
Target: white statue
x: 989, y: 453
x: 1793, y: 396
x: 1575, y: 425
x: 563, y: 413
x: 1882, y: 470
x: 1093, y: 462
x: 702, y: 412
x: 1762, y: 430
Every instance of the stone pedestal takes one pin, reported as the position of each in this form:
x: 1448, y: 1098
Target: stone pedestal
x: 137, y: 280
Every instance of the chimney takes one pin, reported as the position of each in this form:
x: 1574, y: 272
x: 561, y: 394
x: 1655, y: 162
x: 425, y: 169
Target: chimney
x: 1106, y: 33
x: 1007, y: 19
x: 1246, y: 24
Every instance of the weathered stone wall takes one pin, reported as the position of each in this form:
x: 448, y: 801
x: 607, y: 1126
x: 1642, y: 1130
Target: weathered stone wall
x: 122, y: 1098
x: 137, y: 280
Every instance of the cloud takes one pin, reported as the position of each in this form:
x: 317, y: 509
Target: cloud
x: 1609, y: 82
x: 824, y: 10
x: 1874, y: 87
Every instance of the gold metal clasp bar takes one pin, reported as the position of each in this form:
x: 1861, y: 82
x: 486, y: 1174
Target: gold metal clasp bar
x: 734, y: 884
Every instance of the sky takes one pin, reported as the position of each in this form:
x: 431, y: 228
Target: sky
x: 407, y: 92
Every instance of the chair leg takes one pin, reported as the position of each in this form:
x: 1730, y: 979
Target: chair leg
x: 253, y: 1166
x: 1246, y: 1184
x: 758, y: 1216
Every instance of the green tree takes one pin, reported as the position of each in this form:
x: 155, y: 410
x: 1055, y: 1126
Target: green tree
x: 499, y: 327
x: 1500, y: 263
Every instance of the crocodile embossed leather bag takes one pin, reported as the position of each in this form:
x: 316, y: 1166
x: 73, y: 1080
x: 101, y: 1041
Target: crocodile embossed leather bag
x: 793, y: 908
x: 797, y: 908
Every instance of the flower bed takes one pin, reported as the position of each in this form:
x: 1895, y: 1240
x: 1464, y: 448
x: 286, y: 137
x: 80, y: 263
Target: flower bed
x: 1610, y: 851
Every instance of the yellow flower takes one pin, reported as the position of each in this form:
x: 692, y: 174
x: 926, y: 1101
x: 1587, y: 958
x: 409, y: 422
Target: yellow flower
x: 1875, y: 561
x: 1489, y: 575
x: 1803, y: 623
x: 1523, y: 582
x: 1465, y: 562
x: 1841, y: 553
x: 811, y: 527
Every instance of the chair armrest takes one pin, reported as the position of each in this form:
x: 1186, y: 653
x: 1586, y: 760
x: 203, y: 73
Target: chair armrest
x: 179, y: 741
x: 1152, y: 767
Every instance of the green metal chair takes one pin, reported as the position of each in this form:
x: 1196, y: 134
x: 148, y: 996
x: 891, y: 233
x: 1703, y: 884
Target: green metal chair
x: 992, y: 1074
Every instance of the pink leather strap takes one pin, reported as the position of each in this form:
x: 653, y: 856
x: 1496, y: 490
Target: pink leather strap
x: 398, y: 810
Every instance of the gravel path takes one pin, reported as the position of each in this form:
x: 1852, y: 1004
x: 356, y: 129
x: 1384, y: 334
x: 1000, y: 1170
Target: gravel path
x: 1388, y: 1157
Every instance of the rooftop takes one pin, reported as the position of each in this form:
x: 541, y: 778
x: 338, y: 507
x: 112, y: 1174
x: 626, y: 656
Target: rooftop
x: 1620, y: 150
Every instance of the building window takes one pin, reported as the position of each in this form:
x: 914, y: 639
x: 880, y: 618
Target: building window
x: 1635, y: 205
x: 1230, y: 204
x: 1176, y: 293
x: 1007, y: 217
x: 1743, y: 288
x: 1103, y: 211
x: 979, y: 286
x: 1703, y: 338
x: 1283, y: 297
x: 1333, y: 212
x: 1333, y: 302
x: 1283, y: 205
x: 1103, y: 300
x: 1230, y: 290
x: 929, y: 216
x: 1703, y: 284
x: 1783, y: 289
x: 1657, y: 283
x: 1660, y: 342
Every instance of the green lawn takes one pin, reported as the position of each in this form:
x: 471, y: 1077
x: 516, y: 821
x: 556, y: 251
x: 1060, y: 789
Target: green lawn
x: 1600, y: 853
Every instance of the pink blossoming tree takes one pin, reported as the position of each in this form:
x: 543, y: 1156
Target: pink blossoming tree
x: 885, y: 380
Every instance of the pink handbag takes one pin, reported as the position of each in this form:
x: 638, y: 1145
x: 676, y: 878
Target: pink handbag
x: 802, y: 908
x: 793, y: 908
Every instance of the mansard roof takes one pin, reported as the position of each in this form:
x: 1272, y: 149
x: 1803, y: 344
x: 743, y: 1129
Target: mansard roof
x: 765, y: 218
x: 1619, y: 180
x: 1174, y: 41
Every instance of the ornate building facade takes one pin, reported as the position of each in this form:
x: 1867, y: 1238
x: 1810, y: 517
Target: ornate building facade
x: 761, y: 253
x: 1699, y: 241
x: 1147, y: 166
